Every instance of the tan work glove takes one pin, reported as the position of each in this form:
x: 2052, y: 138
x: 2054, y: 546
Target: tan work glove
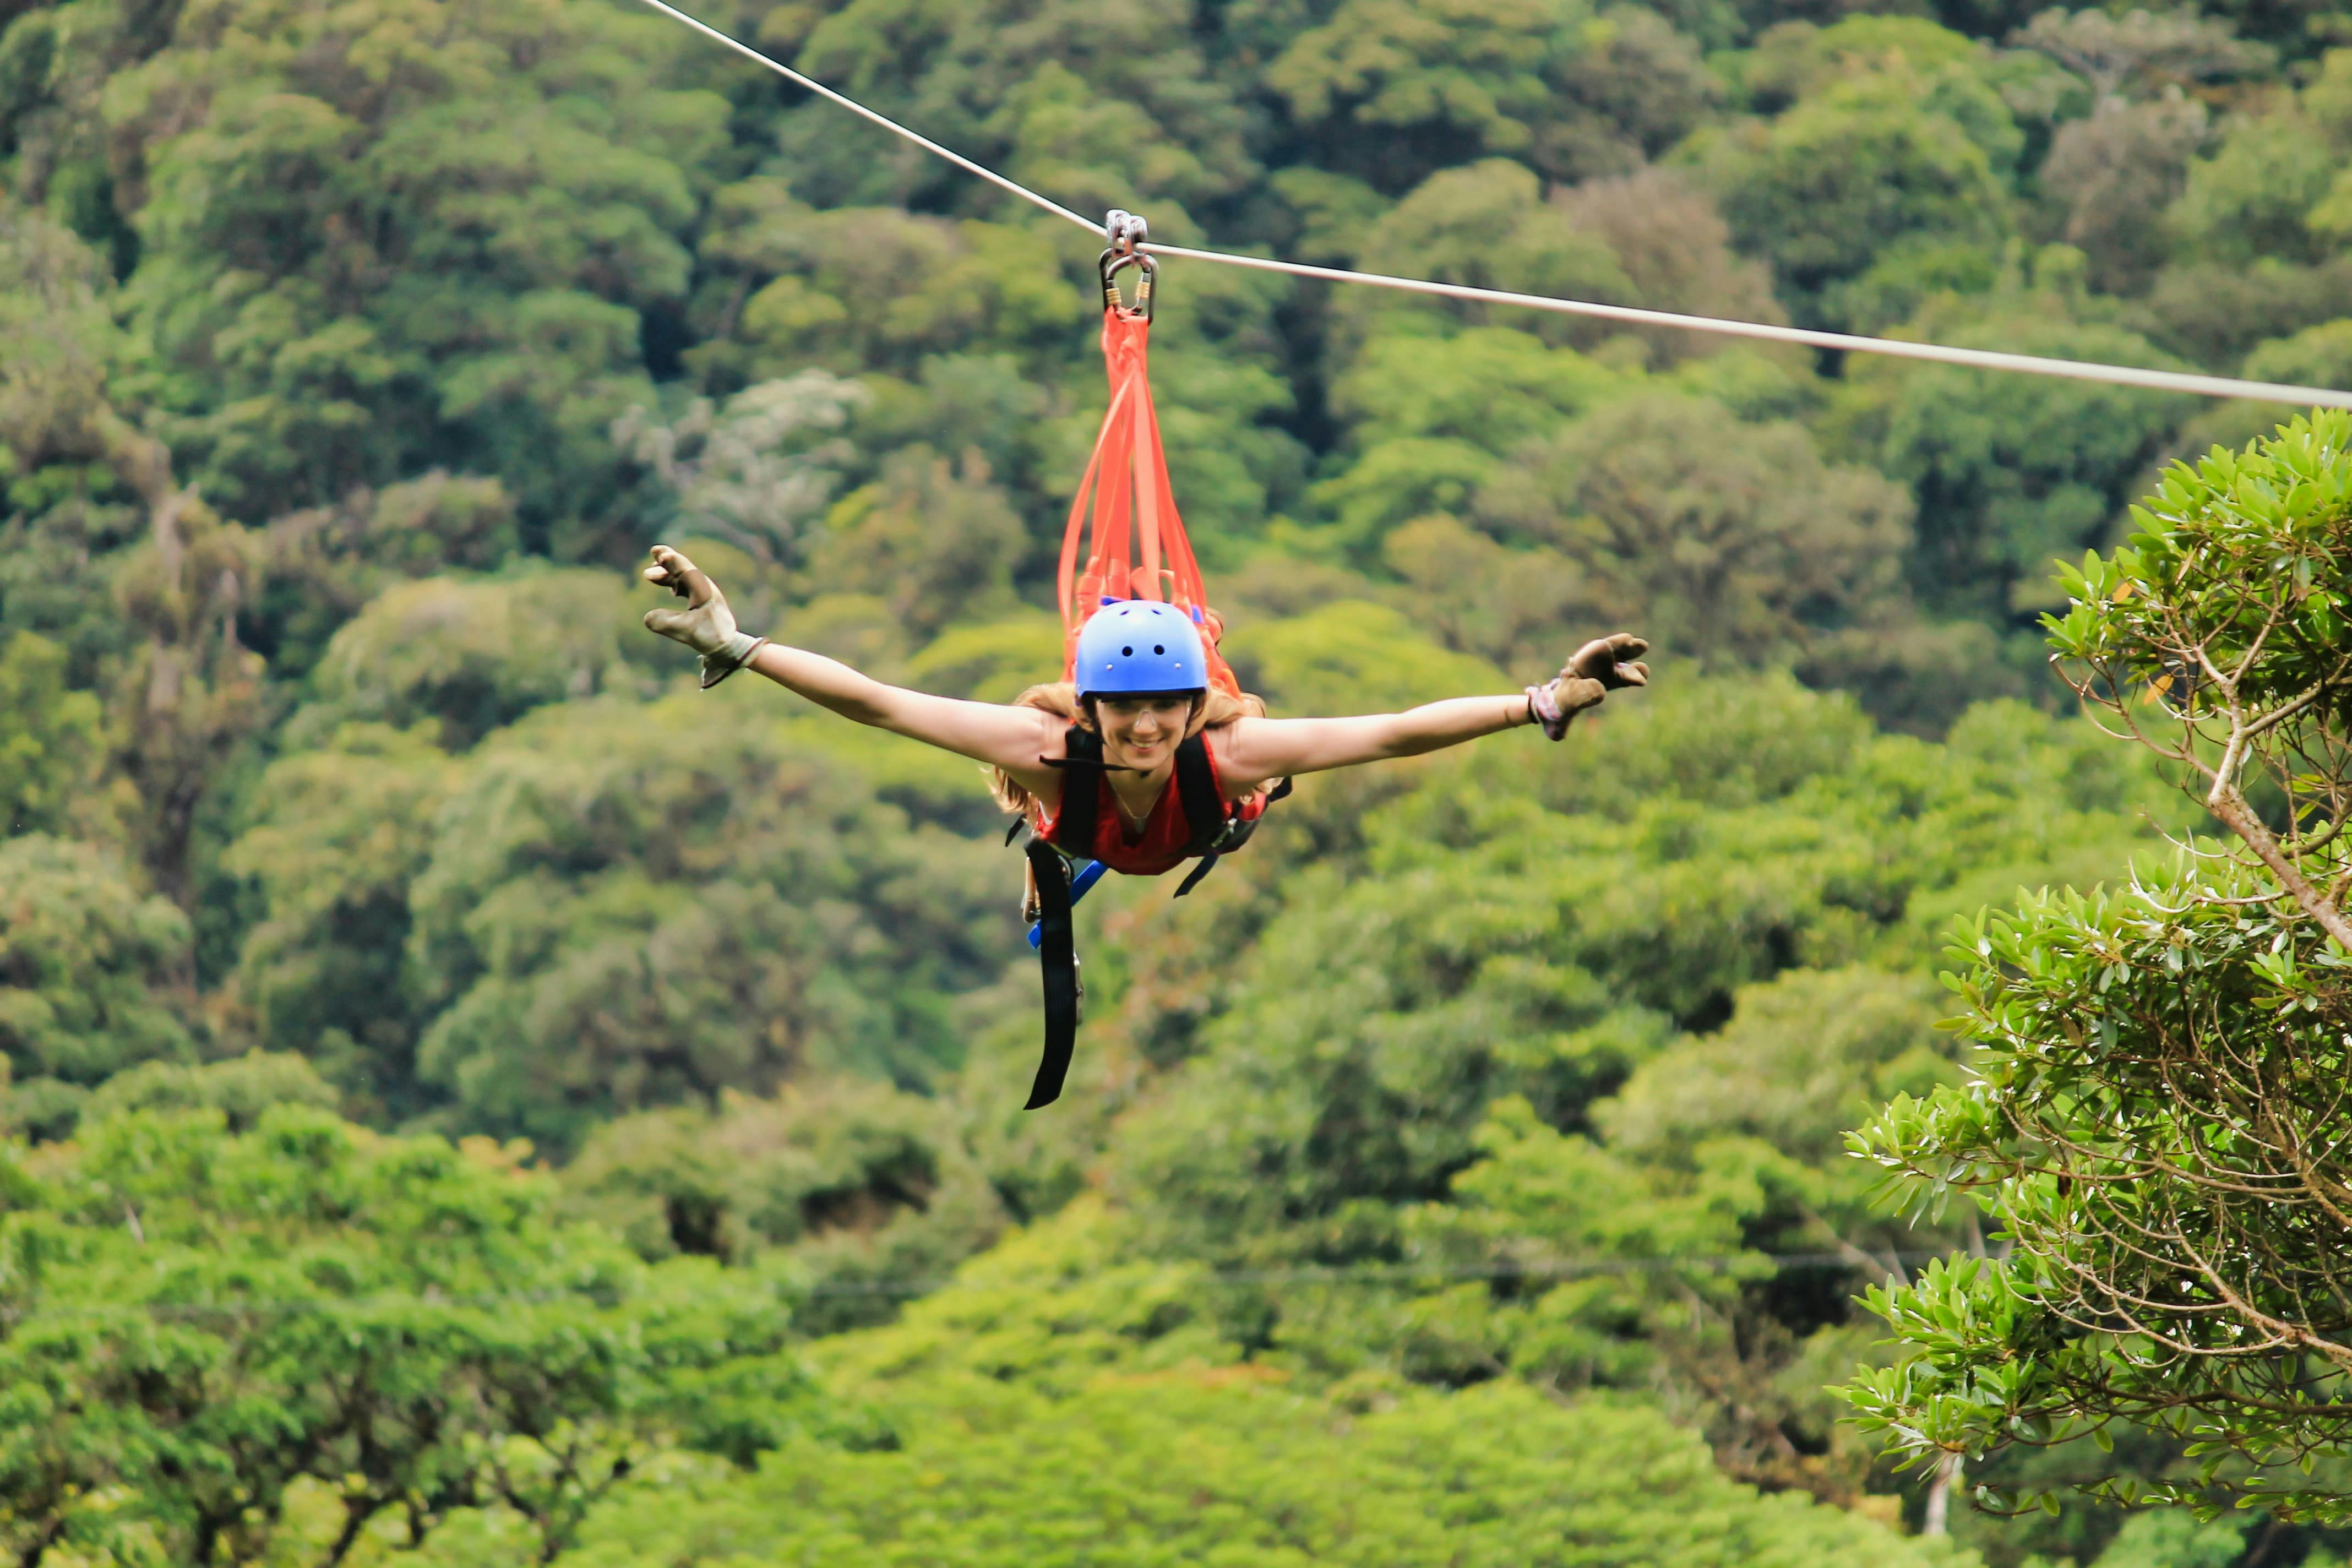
x: 1594, y: 670
x: 705, y: 624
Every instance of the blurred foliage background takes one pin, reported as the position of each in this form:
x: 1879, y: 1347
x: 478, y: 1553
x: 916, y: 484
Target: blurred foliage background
x: 395, y: 952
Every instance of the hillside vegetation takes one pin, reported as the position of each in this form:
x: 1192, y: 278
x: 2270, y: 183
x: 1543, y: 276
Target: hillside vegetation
x: 469, y: 1096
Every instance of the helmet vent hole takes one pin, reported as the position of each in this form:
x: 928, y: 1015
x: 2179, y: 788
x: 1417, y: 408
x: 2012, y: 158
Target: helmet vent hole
x: 1157, y: 648
x: 1128, y: 651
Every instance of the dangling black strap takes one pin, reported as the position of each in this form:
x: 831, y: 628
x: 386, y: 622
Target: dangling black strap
x: 1057, y: 956
x: 1215, y: 830
x: 1192, y: 878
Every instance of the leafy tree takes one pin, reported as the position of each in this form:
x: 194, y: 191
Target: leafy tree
x: 187, y: 692
x: 1646, y: 238
x: 1896, y: 146
x: 2153, y: 1119
x: 2140, y: 51
x: 52, y: 745
x: 1433, y: 419
x: 161, y: 616
x: 1675, y: 251
x: 55, y: 300
x: 1389, y: 91
x: 2257, y: 194
x: 1486, y: 224
x: 758, y: 472
x: 370, y: 240
x: 335, y: 834
x: 1730, y: 541
x: 1193, y: 1461
x: 68, y: 508
x: 995, y: 661
x: 89, y: 966
x: 935, y: 540
x: 1465, y: 950
x: 2009, y: 476
x: 201, y: 1320
x: 2316, y: 356
x: 630, y: 905
x: 2111, y: 171
x: 979, y: 331
x: 54, y: 63
x: 1802, y: 1057
x: 872, y: 1192
x: 323, y: 564
x: 1344, y: 656
x: 864, y: 289
x: 472, y: 655
x: 242, y: 1089
x: 1629, y: 1271
x: 1510, y: 606
x: 2212, y: 314
x: 1096, y: 104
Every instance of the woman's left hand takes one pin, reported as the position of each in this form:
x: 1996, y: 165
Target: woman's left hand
x: 1612, y: 660
x: 1600, y: 667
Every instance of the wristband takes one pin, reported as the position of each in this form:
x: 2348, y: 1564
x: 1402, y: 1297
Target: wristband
x: 718, y: 666
x: 1544, y: 709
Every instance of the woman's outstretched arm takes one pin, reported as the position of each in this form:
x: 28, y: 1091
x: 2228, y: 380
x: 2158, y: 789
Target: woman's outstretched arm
x: 1006, y: 737
x: 1255, y: 751
x: 1001, y: 735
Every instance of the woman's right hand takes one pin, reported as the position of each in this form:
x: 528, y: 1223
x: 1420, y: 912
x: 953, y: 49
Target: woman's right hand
x: 705, y: 624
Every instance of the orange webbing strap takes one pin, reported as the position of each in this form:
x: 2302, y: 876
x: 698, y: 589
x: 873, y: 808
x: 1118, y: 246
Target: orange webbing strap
x: 1132, y: 509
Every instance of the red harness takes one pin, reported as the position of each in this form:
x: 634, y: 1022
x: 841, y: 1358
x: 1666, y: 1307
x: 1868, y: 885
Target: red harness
x: 1136, y: 549
x: 1171, y: 836
x: 1136, y: 546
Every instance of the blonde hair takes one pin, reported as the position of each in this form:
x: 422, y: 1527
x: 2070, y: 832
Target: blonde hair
x: 1213, y: 707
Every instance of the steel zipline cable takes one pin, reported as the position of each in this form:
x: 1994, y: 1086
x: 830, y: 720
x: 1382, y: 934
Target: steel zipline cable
x: 1849, y: 343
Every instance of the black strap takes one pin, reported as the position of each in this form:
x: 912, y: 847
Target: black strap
x: 1232, y: 831
x: 1074, y: 824
x: 1192, y: 878
x: 1206, y: 816
x: 1057, y: 956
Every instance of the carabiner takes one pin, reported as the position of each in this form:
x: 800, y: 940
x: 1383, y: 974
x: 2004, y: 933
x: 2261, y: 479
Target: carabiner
x: 1110, y: 264
x: 1126, y: 231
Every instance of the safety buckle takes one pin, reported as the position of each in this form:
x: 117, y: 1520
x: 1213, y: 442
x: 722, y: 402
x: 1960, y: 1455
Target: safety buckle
x: 1125, y: 232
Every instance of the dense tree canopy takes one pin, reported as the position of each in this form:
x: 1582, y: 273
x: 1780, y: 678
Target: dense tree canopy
x: 1484, y: 1117
x: 218, y: 1340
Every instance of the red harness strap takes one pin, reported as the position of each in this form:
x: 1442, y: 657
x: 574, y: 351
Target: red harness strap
x: 1137, y: 548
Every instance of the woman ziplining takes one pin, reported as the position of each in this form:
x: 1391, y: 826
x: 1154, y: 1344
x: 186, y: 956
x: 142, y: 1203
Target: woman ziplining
x: 1147, y: 752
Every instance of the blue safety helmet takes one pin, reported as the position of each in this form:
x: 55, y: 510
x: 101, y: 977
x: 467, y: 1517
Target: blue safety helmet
x: 1138, y: 647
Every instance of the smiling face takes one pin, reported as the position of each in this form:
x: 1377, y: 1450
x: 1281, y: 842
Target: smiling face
x: 1143, y: 731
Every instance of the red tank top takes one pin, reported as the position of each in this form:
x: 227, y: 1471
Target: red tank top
x: 1160, y: 847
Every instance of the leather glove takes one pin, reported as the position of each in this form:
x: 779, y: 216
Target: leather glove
x: 1599, y: 667
x: 705, y: 624
x: 1609, y: 660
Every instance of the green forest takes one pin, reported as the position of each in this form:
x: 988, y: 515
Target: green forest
x: 471, y: 1098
